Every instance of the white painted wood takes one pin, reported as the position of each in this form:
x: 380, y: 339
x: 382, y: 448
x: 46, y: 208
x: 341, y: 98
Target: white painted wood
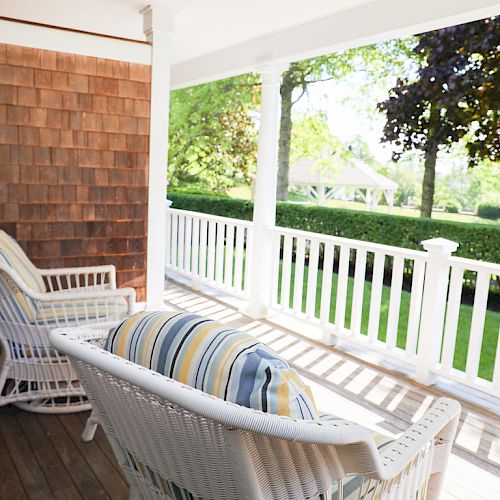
x: 452, y: 315
x: 180, y: 246
x: 219, y: 254
x: 358, y: 289
x: 417, y: 287
x: 264, y: 211
x: 312, y: 279
x: 276, y: 269
x: 326, y: 285
x: 376, y: 296
x: 238, y: 259
x: 286, y: 272
x: 247, y: 261
x: 159, y: 34
x: 298, y: 281
x: 394, y: 301
x: 477, y: 324
x: 175, y: 239
x: 203, y: 247
x: 228, y: 267
x: 437, y: 271
x: 212, y: 227
x: 168, y: 240
x: 343, y: 276
x: 188, y: 244
x: 195, y: 242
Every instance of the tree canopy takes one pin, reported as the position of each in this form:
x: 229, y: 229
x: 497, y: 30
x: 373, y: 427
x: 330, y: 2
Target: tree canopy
x: 213, y: 136
x: 455, y: 94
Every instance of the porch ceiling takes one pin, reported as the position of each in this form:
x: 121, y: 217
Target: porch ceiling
x: 225, y: 37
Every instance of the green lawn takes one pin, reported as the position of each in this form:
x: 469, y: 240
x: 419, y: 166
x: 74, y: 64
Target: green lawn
x: 491, y: 327
x: 244, y: 192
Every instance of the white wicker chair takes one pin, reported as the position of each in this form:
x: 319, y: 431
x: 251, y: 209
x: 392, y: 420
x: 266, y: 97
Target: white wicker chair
x: 164, y: 432
x: 33, y: 375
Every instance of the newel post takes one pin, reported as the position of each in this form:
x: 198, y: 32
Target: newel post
x: 434, y: 299
x: 264, y: 211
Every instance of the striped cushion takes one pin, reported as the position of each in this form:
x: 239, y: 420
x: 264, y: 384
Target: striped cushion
x: 14, y: 257
x: 209, y: 356
x: 60, y: 311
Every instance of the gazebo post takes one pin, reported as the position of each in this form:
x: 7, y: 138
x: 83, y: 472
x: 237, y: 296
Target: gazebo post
x: 158, y: 28
x: 264, y: 212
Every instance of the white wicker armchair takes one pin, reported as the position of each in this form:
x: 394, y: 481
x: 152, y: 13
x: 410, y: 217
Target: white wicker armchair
x: 33, y: 375
x: 168, y: 436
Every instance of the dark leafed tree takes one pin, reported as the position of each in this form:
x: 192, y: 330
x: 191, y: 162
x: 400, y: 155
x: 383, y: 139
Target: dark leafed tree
x: 372, y: 60
x: 455, y: 95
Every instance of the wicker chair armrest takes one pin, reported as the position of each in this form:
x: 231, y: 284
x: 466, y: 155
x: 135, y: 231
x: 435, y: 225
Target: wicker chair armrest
x: 73, y: 278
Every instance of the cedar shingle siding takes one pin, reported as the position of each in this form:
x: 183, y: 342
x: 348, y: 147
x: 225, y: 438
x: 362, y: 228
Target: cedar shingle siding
x: 73, y: 159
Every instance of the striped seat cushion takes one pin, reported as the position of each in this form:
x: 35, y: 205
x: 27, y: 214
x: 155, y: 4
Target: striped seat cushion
x: 214, y: 358
x: 14, y: 257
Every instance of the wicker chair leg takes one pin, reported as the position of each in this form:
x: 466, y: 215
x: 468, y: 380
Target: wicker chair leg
x: 90, y: 428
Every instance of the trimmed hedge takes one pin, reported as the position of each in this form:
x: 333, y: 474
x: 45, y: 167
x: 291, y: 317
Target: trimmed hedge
x: 488, y: 212
x: 477, y: 241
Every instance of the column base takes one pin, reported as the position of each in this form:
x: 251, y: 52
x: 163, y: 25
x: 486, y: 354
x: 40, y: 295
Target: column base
x: 255, y: 311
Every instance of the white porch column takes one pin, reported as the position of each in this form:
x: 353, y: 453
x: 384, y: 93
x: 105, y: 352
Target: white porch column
x: 264, y: 212
x: 158, y: 27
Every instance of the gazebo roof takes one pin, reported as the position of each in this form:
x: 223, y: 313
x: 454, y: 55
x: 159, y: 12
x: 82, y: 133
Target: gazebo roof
x: 351, y: 173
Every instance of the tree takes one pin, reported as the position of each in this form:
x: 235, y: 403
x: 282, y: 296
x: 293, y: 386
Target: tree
x: 375, y: 60
x: 455, y: 93
x: 213, y: 137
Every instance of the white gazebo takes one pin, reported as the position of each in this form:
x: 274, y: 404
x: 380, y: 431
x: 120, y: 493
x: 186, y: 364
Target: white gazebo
x: 324, y: 181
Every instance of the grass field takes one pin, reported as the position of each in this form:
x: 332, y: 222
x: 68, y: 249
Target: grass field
x: 244, y: 192
x: 491, y: 326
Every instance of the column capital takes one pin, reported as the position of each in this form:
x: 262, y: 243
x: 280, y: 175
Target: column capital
x: 440, y: 246
x: 157, y: 18
x: 271, y: 72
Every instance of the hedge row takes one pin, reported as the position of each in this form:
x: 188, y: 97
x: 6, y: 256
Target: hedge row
x: 477, y: 241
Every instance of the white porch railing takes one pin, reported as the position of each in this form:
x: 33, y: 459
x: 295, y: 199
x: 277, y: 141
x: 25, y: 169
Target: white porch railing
x: 209, y: 250
x: 357, y: 292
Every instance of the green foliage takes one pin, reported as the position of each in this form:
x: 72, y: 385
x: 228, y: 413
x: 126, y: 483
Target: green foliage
x: 213, y: 138
x: 488, y: 212
x: 477, y: 241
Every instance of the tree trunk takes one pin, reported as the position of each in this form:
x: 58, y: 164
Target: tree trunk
x: 429, y: 181
x: 286, y: 90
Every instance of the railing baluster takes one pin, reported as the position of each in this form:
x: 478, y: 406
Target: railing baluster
x: 203, y: 248
x: 417, y: 286
x: 248, y: 266
x: 312, y: 279
x: 228, y: 268
x: 195, y: 253
x: 219, y: 253
x: 187, y: 245
x: 343, y: 276
x: 477, y: 324
x: 298, y: 282
x: 168, y: 239
x: 238, y: 259
x: 182, y: 225
x: 395, y: 301
x: 358, y: 291
x: 496, y: 369
x: 175, y: 238
x: 452, y: 315
x: 286, y: 272
x: 212, y: 226
x: 326, y: 285
x: 376, y: 296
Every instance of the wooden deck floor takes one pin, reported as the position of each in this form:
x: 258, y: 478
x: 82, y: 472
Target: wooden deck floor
x: 41, y: 456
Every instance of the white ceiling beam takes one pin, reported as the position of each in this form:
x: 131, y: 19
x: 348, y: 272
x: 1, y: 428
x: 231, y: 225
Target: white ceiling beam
x: 368, y: 23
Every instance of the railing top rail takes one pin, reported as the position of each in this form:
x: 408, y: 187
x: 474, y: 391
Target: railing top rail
x: 357, y: 244
x: 217, y: 218
x: 475, y: 265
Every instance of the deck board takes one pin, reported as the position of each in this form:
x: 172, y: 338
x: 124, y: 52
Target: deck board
x: 41, y: 456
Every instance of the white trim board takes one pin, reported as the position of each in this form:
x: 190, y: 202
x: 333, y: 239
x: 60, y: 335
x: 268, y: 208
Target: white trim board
x: 47, y: 38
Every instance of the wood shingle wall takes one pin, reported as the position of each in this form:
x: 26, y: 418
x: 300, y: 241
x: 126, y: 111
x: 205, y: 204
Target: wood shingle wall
x: 74, y: 135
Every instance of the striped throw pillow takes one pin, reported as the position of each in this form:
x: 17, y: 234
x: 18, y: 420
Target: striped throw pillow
x: 214, y: 358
